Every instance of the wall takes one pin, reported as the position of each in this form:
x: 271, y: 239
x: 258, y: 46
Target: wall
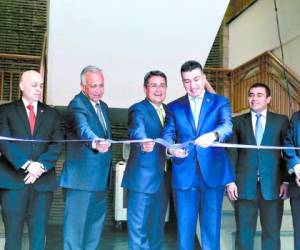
x: 255, y: 31
x: 127, y: 39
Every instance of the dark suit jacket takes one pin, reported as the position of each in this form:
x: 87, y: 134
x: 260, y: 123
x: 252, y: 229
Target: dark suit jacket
x: 85, y: 168
x: 214, y: 164
x: 269, y: 162
x: 14, y: 123
x: 292, y: 157
x: 144, y: 170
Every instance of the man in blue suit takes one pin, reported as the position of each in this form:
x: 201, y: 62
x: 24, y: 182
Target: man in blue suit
x: 27, y: 175
x: 199, y: 172
x: 144, y: 175
x: 87, y: 167
x: 292, y: 158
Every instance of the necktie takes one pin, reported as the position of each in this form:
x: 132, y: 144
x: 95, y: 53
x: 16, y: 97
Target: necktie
x: 162, y: 121
x: 195, y: 109
x: 100, y: 117
x: 31, y: 117
x: 259, y: 131
x: 160, y: 115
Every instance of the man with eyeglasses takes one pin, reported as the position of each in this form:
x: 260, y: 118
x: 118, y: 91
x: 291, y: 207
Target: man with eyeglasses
x: 145, y: 175
x: 86, y: 170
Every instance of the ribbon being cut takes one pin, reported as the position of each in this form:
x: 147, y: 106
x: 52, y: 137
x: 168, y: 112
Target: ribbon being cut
x: 157, y: 140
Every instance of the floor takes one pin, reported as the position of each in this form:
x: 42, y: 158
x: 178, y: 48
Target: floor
x: 112, y: 238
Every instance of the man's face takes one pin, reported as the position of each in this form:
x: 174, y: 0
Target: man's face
x: 94, y: 86
x: 193, y: 82
x: 31, y: 85
x: 258, y: 100
x: 156, y: 89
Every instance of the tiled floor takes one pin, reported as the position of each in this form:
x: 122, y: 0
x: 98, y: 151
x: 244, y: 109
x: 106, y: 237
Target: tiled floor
x: 112, y: 239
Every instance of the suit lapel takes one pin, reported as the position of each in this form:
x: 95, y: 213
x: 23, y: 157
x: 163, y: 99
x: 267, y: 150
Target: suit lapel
x: 187, y: 108
x: 40, y: 117
x: 152, y: 112
x: 268, y: 128
x: 23, y: 115
x: 205, y: 107
x: 106, y: 119
x: 248, y: 127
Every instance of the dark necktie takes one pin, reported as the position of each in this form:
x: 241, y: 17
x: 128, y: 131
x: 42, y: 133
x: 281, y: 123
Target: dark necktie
x: 100, y: 117
x: 31, y: 117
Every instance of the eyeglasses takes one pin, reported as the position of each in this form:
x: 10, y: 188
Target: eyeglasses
x: 157, y: 86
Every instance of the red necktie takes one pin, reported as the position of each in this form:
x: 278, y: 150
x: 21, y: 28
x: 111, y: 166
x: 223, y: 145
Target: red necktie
x: 31, y: 117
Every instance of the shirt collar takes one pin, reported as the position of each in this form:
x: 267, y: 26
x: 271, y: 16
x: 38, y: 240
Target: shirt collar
x: 200, y: 96
x: 263, y: 113
x: 155, y: 106
x: 26, y: 103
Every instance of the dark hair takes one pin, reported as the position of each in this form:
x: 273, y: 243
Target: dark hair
x: 190, y: 65
x: 261, y: 85
x: 154, y: 73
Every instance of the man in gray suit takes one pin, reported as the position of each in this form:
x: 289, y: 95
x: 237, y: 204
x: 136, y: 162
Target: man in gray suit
x: 260, y: 173
x: 87, y: 167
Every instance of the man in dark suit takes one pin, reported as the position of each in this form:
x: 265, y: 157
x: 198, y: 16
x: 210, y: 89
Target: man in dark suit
x: 86, y: 170
x: 293, y: 163
x: 199, y: 172
x: 27, y: 175
x: 260, y: 173
x: 144, y: 175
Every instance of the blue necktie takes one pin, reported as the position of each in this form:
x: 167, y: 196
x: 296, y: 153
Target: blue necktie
x: 259, y: 130
x: 100, y: 117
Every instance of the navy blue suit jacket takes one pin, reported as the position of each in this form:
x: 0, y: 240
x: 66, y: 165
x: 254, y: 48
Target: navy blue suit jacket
x: 292, y: 157
x: 180, y: 127
x: 14, y: 123
x: 85, y: 168
x: 144, y: 170
x: 269, y: 162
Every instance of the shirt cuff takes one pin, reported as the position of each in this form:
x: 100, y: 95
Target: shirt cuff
x: 25, y: 165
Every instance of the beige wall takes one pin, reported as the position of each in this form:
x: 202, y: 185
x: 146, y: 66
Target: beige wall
x: 255, y: 31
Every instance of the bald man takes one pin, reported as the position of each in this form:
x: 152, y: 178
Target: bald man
x: 27, y: 175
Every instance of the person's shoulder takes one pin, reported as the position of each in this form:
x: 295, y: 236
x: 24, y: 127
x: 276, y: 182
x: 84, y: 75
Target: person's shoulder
x: 278, y: 116
x: 241, y: 117
x: 177, y: 102
x: 7, y: 106
x: 217, y: 97
x: 139, y: 105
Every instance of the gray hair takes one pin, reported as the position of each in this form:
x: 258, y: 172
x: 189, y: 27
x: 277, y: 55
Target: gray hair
x: 89, y: 68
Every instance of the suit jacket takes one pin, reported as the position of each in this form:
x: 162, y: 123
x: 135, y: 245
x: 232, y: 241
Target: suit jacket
x: 85, y: 168
x: 215, y: 115
x: 269, y: 162
x: 14, y: 154
x: 144, y: 170
x: 292, y: 157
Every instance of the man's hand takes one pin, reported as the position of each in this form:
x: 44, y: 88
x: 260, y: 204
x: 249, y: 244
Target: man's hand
x: 297, y: 170
x: 208, y: 87
x: 35, y: 169
x: 102, y: 145
x: 30, y: 178
x: 147, y: 146
x: 232, y: 191
x: 206, y: 140
x: 179, y: 153
x: 283, y: 191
